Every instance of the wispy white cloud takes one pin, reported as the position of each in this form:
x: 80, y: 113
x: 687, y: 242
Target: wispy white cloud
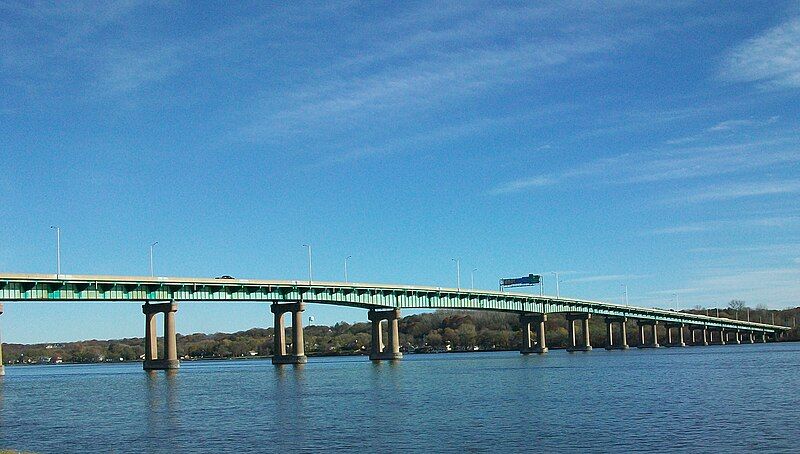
x: 772, y: 59
x: 761, y: 249
x: 455, y: 74
x: 691, y: 162
x: 741, y: 190
x: 607, y: 278
x: 729, y: 125
x: 775, y: 287
x: 682, y: 162
x: 524, y: 184
x: 707, y: 226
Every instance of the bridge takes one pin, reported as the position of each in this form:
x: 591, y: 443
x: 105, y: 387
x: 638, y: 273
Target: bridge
x: 160, y: 295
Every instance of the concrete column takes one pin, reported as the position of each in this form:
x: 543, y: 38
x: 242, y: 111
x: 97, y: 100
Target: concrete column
x: 623, y: 332
x: 394, y: 336
x: 623, y: 343
x: 776, y: 336
x: 279, y: 336
x: 392, y: 350
x: 584, y: 318
x: 571, y: 334
x: 586, y: 344
x: 669, y: 335
x: 641, y: 335
x: 654, y: 328
x: 279, y: 354
x: 722, y: 340
x: 376, y: 346
x: 540, y: 334
x: 298, y: 344
x: 737, y: 336
x: 170, y: 342
x: 525, y: 324
x: 150, y: 339
x: 529, y: 344
x: 750, y: 337
x: 2, y: 366
x: 705, y: 336
x: 681, y: 341
x: 764, y: 337
x: 170, y: 356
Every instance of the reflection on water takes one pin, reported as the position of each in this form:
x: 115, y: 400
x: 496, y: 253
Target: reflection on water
x: 162, y: 402
x: 459, y: 402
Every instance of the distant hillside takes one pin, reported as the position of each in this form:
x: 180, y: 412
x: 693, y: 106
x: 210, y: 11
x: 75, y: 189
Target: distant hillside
x: 438, y: 331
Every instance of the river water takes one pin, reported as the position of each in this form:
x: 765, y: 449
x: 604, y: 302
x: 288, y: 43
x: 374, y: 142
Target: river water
x: 716, y: 398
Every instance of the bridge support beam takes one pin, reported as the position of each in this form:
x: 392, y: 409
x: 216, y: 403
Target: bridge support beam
x: 2, y: 367
x: 653, y: 324
x: 391, y: 351
x: 623, y: 344
x: 723, y: 337
x: 279, y: 354
x: 678, y: 341
x: 573, y: 345
x: 170, y: 356
x: 764, y: 337
x: 529, y: 344
x: 737, y: 336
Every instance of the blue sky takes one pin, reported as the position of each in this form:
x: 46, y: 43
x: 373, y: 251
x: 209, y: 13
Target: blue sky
x: 651, y: 145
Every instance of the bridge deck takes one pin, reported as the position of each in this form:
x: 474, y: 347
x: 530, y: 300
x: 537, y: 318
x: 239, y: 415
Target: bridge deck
x: 67, y: 287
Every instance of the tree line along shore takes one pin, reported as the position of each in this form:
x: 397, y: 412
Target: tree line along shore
x: 440, y: 331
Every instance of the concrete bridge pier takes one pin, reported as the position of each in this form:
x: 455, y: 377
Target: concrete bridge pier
x: 623, y: 333
x: 2, y: 367
x: 653, y: 324
x: 737, y: 336
x: 391, y: 351
x: 170, y: 357
x: 571, y: 319
x: 529, y: 345
x: 764, y: 337
x: 679, y: 341
x: 776, y: 336
x: 751, y: 338
x: 723, y: 337
x: 279, y: 354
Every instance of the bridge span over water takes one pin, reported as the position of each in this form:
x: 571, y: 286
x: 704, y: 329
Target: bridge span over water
x: 384, y: 302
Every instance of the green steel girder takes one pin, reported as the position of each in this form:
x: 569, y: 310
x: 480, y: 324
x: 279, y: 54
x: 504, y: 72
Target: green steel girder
x: 66, y: 288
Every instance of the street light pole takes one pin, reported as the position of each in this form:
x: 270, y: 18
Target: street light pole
x: 152, y: 273
x: 472, y: 279
x: 625, y: 292
x: 345, y: 268
x: 458, y: 273
x: 309, y: 263
x: 558, y: 293
x: 675, y: 295
x: 58, y: 249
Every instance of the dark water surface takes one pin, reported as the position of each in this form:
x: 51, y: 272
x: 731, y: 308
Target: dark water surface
x: 717, y: 398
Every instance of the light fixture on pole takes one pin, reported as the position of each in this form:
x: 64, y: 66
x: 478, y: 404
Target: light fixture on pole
x: 625, y: 293
x: 458, y: 273
x: 58, y: 249
x: 345, y: 268
x: 152, y: 273
x: 472, y: 279
x: 558, y: 292
x: 309, y: 263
